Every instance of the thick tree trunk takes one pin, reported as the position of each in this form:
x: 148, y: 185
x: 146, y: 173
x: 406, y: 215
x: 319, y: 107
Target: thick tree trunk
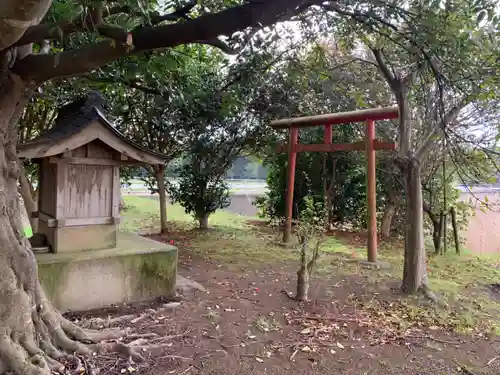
x: 302, y: 284
x: 456, y: 236
x: 436, y: 226
x: 30, y: 202
x: 386, y: 225
x: 415, y: 272
x: 160, y: 180
x: 303, y: 276
x: 33, y: 335
x: 203, y: 221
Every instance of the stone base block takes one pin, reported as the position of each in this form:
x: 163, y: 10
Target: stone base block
x: 137, y: 269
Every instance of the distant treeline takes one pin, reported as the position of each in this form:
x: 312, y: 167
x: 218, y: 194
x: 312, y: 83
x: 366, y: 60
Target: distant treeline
x: 244, y: 168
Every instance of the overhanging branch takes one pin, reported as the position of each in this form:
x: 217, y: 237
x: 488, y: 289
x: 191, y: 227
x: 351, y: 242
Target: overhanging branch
x: 131, y: 84
x: 93, y: 19
x: 205, y: 28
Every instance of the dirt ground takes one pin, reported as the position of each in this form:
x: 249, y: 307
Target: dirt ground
x: 246, y: 324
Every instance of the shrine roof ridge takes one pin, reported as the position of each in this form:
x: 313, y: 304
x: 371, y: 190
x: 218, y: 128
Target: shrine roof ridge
x: 74, y: 120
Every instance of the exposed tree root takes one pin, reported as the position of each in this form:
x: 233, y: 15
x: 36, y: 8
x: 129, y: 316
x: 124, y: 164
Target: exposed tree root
x: 106, y: 323
x: 289, y: 295
x: 37, y: 342
x: 431, y: 296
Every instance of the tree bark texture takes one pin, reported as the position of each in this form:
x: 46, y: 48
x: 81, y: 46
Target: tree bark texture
x: 33, y: 335
x: 437, y: 224
x: 29, y: 199
x: 203, y: 221
x: 456, y: 236
x: 303, y: 275
x: 415, y: 271
x: 306, y: 268
x: 162, y: 194
x: 386, y: 225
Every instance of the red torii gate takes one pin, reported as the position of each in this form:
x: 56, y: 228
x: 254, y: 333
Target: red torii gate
x: 370, y: 145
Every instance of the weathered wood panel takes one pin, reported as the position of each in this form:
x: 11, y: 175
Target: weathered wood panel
x: 87, y: 191
x: 100, y: 150
x: 47, y: 193
x: 79, y: 152
x: 116, y: 193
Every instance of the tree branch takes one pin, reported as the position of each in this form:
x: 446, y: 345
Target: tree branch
x: 389, y: 76
x: 449, y: 117
x: 132, y: 84
x: 205, y: 28
x: 18, y: 15
x: 92, y: 19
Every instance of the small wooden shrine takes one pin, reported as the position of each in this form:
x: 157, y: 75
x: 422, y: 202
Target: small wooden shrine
x: 79, y: 180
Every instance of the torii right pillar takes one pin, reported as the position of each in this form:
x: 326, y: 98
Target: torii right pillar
x: 371, y: 190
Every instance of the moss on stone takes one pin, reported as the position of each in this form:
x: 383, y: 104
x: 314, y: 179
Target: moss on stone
x: 157, y: 273
x: 144, y: 275
x: 52, y: 276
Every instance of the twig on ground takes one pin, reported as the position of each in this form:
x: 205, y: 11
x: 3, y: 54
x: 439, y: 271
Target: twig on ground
x: 428, y: 337
x: 492, y: 360
x: 163, y: 339
x: 105, y: 323
x: 142, y: 336
x: 294, y: 354
x: 187, y: 370
x: 89, y: 370
x: 319, y: 318
x: 465, y: 370
x: 176, y: 357
x: 210, y: 354
x: 138, y: 342
x: 138, y: 319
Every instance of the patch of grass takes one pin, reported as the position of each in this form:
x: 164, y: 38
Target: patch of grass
x: 142, y: 214
x: 460, y: 281
x: 230, y: 238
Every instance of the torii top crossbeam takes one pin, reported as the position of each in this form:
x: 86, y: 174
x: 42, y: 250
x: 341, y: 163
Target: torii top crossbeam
x: 338, y: 118
x: 369, y: 116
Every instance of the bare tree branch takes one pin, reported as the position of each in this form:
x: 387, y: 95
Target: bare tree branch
x: 449, y: 117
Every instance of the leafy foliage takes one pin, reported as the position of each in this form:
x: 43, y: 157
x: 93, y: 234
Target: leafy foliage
x: 200, y: 194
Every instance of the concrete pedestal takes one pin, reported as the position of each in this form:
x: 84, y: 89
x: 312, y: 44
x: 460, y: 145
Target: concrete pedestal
x: 137, y: 269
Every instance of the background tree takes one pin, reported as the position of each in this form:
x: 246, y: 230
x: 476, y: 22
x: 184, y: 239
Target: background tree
x: 230, y: 131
